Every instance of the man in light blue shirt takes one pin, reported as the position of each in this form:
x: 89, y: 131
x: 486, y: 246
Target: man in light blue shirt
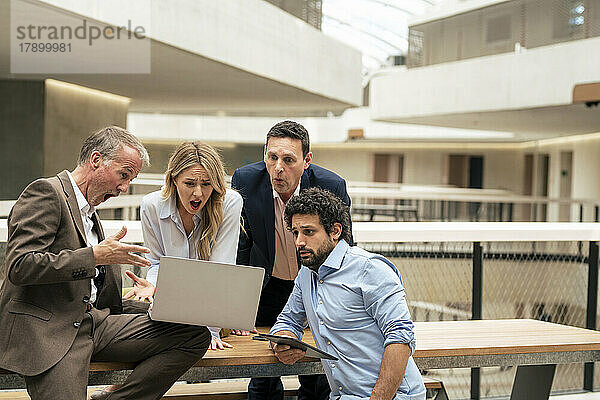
x: 354, y: 302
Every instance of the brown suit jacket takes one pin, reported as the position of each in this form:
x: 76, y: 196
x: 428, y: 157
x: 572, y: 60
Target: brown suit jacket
x: 49, y: 267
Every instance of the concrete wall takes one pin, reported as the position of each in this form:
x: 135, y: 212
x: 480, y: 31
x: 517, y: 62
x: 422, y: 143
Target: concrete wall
x: 493, y: 83
x: 21, y: 132
x: 233, y: 156
x: 529, y: 23
x: 503, y: 169
x: 424, y: 167
x: 71, y: 114
x: 585, y: 182
x: 42, y: 127
x: 352, y: 165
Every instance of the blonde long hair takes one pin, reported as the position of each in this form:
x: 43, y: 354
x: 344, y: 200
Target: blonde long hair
x: 187, y: 155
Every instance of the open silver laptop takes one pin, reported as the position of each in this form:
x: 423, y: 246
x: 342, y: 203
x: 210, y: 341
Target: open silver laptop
x: 207, y: 293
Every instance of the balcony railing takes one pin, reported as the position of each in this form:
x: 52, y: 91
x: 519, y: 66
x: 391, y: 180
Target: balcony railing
x: 501, y: 28
x: 470, y: 270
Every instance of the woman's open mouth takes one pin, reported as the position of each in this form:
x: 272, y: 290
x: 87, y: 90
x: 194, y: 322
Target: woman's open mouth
x: 195, y: 205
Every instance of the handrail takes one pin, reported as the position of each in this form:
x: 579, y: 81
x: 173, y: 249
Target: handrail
x: 126, y: 200
x: 415, y: 232
x: 134, y: 200
x: 465, y: 195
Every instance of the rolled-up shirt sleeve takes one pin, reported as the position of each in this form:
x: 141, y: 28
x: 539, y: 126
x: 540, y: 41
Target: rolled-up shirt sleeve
x: 293, y: 316
x: 385, y: 300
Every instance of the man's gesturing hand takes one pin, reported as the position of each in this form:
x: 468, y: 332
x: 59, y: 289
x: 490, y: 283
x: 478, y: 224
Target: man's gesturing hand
x: 142, y: 289
x: 111, y: 251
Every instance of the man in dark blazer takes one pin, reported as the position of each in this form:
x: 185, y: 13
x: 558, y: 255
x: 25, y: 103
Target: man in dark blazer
x: 60, y: 304
x: 266, y: 186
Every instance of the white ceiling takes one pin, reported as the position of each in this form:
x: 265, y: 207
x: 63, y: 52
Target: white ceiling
x: 378, y: 28
x: 185, y: 82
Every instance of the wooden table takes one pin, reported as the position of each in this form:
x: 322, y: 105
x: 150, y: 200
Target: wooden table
x: 534, y: 346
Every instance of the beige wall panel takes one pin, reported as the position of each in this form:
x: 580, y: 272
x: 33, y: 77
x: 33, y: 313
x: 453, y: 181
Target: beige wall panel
x: 352, y: 165
x: 424, y: 167
x: 71, y: 114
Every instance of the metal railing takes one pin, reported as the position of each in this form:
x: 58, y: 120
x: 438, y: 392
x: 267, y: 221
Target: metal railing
x: 502, y: 28
x: 470, y: 270
x: 484, y: 270
x: 396, y: 202
x: 459, y: 271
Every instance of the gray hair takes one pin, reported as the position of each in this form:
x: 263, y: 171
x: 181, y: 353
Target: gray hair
x: 108, y: 141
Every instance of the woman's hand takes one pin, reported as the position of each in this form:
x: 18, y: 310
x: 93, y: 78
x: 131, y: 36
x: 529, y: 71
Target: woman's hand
x: 218, y: 344
x: 142, y: 289
x: 240, y: 332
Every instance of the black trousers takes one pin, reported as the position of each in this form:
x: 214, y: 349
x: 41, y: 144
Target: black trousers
x: 163, y: 351
x: 272, y: 300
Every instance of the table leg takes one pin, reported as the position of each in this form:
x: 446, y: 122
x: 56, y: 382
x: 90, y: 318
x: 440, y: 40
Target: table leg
x: 533, y: 382
x: 441, y: 394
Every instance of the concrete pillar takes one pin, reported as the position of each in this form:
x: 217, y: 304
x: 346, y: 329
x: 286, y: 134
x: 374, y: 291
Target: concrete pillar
x: 43, y: 124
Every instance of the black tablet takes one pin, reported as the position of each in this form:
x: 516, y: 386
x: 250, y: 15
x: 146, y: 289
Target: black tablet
x: 311, y: 351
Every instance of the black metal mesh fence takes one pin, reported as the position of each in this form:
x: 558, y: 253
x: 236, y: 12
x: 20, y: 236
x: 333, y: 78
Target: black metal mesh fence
x: 538, y: 280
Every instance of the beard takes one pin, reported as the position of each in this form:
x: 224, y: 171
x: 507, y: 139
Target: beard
x: 318, y: 257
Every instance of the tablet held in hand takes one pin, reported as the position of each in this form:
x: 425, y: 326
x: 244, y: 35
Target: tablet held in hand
x: 311, y: 351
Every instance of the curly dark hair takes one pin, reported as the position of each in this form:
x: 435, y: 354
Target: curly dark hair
x: 292, y: 130
x: 321, y: 202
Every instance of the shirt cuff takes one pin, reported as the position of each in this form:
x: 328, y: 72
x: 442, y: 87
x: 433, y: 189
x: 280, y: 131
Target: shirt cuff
x: 402, y: 336
x: 152, y: 275
x: 214, y: 331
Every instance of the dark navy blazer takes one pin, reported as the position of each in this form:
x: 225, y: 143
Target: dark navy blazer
x: 257, y: 238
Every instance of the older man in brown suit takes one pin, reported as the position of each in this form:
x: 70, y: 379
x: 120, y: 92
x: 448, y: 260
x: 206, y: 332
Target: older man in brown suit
x: 61, y: 307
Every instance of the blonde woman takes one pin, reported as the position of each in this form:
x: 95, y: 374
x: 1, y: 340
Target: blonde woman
x: 193, y: 216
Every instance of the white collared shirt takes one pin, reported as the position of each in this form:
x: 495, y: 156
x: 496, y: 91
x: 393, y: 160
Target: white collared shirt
x: 86, y: 216
x: 296, y: 192
x: 164, y: 233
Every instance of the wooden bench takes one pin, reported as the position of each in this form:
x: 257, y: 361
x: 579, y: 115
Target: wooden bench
x: 535, y: 347
x: 230, y: 390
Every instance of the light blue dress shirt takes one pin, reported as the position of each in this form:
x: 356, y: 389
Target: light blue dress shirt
x: 165, y: 235
x: 355, y: 306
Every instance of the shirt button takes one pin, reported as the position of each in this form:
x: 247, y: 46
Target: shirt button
x: 321, y: 281
x: 86, y: 299
x: 76, y: 324
x: 320, y: 301
x: 332, y: 365
x: 328, y: 342
x: 321, y: 322
x: 340, y: 388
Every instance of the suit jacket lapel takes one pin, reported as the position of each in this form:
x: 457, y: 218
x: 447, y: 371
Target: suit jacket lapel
x: 72, y: 203
x: 98, y: 226
x: 269, y: 210
x: 305, y: 180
